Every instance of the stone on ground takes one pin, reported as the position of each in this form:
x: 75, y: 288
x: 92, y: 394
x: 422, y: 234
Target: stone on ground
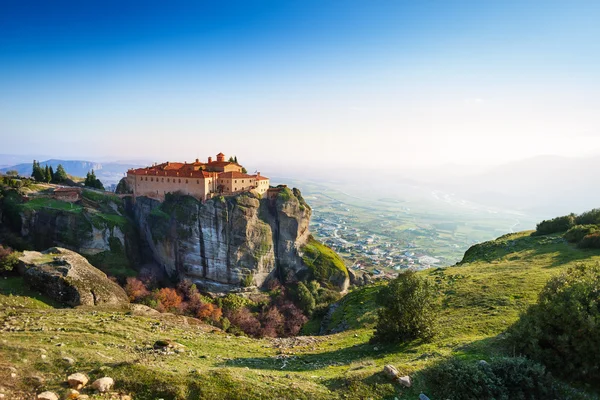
x: 103, y: 384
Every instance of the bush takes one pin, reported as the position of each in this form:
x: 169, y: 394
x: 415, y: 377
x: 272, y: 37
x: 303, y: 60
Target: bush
x: 555, y: 225
x: 578, y: 232
x: 408, y: 310
x: 501, y: 379
x: 136, y: 289
x: 589, y: 217
x: 562, y: 330
x: 8, y: 259
x: 306, y: 300
x: 591, y: 241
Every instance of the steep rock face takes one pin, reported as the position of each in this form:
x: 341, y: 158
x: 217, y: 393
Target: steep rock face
x: 228, y: 242
x: 69, y: 278
x: 109, y: 240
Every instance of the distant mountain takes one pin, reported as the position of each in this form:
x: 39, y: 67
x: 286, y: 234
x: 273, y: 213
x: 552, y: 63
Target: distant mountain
x: 108, y: 173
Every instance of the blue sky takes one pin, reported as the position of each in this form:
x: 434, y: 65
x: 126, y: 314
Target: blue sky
x: 419, y: 82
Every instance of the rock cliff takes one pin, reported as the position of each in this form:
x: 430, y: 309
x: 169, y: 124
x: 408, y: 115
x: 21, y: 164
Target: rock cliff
x: 228, y: 242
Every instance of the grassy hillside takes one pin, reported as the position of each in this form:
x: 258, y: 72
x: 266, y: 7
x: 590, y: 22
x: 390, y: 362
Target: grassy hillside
x: 482, y: 296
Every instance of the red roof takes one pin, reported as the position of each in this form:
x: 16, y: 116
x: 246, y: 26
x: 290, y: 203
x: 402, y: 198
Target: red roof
x: 152, y: 171
x: 67, y: 190
x: 260, y: 178
x: 234, y: 175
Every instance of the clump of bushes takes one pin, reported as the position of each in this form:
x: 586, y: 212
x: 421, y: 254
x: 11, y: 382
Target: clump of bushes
x: 578, y: 232
x: 8, y: 259
x: 562, y: 330
x: 555, y: 225
x: 500, y: 379
x: 591, y: 241
x: 408, y: 310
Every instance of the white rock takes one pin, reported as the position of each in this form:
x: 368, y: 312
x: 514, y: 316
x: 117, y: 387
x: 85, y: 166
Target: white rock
x: 47, y: 396
x: 405, y: 381
x: 77, y: 380
x: 390, y: 371
x: 103, y: 384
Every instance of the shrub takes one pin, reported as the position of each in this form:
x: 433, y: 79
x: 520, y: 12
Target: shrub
x: 501, y: 379
x: 555, y: 225
x: 8, y: 259
x: 135, y: 289
x: 306, y: 300
x: 591, y: 241
x: 208, y: 311
x: 407, y: 311
x: 246, y: 321
x: 273, y: 322
x: 578, y: 232
x: 168, y: 299
x: 563, y: 329
x: 589, y: 217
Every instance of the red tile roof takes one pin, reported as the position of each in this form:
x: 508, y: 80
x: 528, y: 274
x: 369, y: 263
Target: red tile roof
x: 234, y: 175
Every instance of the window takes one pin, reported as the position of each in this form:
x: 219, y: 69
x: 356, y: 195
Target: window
x: 168, y: 180
x: 236, y: 181
x: 242, y: 181
x: 179, y: 180
x: 162, y: 179
x: 186, y: 181
x: 235, y: 189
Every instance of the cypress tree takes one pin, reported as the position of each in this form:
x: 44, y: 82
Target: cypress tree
x: 47, y: 175
x: 60, y: 175
x: 51, y: 174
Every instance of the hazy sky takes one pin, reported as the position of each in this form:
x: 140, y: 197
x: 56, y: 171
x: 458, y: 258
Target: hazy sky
x: 420, y: 82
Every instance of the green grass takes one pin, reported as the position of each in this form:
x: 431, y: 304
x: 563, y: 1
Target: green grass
x: 48, y: 203
x: 480, y: 300
x: 15, y: 293
x: 324, y: 264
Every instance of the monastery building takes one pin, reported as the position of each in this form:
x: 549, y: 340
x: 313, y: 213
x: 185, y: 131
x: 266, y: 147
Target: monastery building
x: 197, y: 179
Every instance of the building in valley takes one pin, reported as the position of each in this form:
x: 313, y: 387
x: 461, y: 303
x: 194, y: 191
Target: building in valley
x: 197, y: 179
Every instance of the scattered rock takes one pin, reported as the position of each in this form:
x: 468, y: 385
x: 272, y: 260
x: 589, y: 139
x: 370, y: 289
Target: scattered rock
x: 391, y: 372
x: 68, y: 360
x: 103, y: 384
x: 168, y: 344
x: 72, y: 394
x: 47, y: 396
x: 405, y: 381
x: 423, y: 397
x: 483, y: 362
x: 77, y: 380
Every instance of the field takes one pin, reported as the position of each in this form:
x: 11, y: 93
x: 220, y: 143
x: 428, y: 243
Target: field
x: 390, y: 231
x: 480, y: 299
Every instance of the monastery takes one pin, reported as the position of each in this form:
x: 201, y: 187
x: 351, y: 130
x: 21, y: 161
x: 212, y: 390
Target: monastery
x: 197, y: 179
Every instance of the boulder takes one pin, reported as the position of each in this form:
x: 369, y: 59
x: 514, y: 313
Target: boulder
x: 77, y: 380
x: 423, y: 397
x: 69, y: 278
x: 391, y: 372
x: 103, y: 385
x: 47, y: 396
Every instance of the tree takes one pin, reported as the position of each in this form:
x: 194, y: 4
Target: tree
x: 235, y: 159
x: 60, y: 175
x: 305, y: 299
x: 273, y: 322
x: 51, y: 174
x: 408, y: 306
x: 92, y: 181
x: 37, y: 172
x: 47, y: 174
x: 135, y: 289
x: 244, y: 170
x: 230, y: 159
x: 169, y: 299
x: 562, y: 330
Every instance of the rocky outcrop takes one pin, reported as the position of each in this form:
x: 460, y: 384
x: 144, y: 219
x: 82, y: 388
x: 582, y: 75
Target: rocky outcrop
x: 69, y: 278
x: 100, y: 233
x: 227, y: 242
